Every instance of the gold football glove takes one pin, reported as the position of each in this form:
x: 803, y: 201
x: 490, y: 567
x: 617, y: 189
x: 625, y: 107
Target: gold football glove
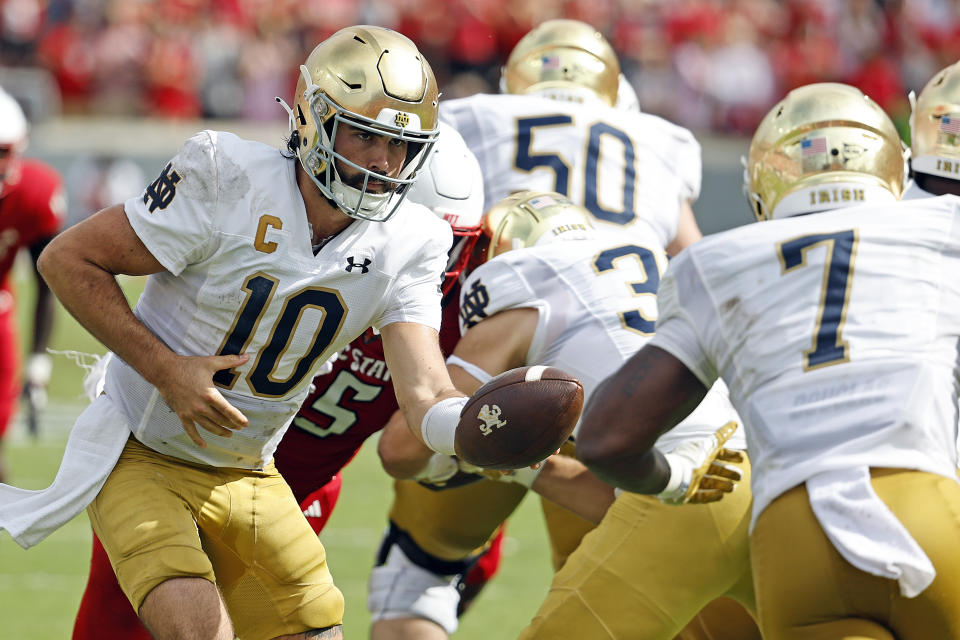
x: 701, y: 469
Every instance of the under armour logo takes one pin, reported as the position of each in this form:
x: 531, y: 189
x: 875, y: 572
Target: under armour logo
x: 474, y: 302
x: 161, y: 192
x: 401, y: 119
x: 363, y: 266
x: 490, y: 417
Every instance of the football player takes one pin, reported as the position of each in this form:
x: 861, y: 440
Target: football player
x: 595, y: 162
x: 836, y: 333
x: 560, y: 293
x: 32, y: 208
x: 261, y: 266
x: 566, y: 120
x: 347, y: 404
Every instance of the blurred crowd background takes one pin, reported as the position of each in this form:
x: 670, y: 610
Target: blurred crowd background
x: 715, y: 66
x: 711, y: 65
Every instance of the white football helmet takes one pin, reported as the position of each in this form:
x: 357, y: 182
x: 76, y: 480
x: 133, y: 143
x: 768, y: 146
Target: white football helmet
x: 451, y: 185
x: 935, y: 126
x: 13, y: 139
x: 373, y: 79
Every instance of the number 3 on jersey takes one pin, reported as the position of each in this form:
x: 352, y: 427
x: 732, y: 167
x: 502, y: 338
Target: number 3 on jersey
x: 527, y: 160
x: 647, y: 261
x: 828, y: 346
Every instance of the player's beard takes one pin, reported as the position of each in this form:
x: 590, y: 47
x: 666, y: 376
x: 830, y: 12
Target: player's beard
x: 374, y: 185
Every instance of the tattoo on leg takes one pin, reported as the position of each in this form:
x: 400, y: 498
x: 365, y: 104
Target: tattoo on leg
x: 330, y: 633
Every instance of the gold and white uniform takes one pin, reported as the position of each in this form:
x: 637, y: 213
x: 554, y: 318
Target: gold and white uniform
x: 628, y: 169
x: 837, y: 334
x: 227, y: 221
x: 597, y: 305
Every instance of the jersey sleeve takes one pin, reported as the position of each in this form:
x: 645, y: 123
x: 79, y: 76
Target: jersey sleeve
x: 417, y: 287
x: 678, y: 332
x: 176, y: 214
x: 493, y: 287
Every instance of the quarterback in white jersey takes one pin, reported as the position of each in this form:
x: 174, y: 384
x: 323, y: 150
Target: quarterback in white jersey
x: 261, y: 264
x: 837, y: 334
x: 219, y: 229
x: 558, y: 128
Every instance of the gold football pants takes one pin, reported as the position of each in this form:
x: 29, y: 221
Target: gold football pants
x: 649, y: 568
x: 807, y: 591
x: 161, y: 518
x: 457, y: 523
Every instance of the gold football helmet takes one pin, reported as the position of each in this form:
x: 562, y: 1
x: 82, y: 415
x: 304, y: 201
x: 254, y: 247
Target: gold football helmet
x: 566, y: 58
x: 525, y: 218
x: 374, y: 79
x: 823, y: 146
x: 935, y: 126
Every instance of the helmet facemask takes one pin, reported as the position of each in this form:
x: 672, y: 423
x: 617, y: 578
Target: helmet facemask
x: 320, y: 160
x: 373, y: 79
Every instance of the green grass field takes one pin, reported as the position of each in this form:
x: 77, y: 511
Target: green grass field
x: 40, y: 588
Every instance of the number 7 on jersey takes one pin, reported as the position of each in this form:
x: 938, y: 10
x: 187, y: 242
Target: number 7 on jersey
x: 828, y: 346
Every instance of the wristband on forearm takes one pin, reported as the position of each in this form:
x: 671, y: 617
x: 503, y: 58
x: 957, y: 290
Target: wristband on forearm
x: 439, y: 425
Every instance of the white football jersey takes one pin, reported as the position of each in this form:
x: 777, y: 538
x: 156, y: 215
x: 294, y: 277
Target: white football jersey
x: 227, y: 221
x: 837, y: 334
x: 626, y: 168
x: 597, y: 304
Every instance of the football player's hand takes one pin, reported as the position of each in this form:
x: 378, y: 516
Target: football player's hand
x: 189, y: 390
x: 524, y: 476
x: 442, y: 468
x: 702, y: 469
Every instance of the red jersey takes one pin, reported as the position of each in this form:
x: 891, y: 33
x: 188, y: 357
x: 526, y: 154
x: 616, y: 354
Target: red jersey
x: 348, y: 405
x: 31, y: 209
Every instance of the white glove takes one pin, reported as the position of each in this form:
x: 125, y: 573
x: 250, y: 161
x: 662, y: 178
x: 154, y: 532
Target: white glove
x: 697, y: 470
x: 441, y: 467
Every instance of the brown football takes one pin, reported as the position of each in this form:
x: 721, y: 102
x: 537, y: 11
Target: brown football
x: 519, y: 418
